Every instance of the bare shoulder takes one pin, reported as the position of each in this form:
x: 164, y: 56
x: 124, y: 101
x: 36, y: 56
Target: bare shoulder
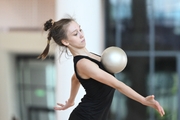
x: 86, y: 68
x: 85, y: 63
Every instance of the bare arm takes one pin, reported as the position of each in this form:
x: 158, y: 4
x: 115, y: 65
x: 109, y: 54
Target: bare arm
x: 74, y: 89
x: 92, y: 70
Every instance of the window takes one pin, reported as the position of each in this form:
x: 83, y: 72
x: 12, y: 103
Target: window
x: 149, y: 32
x: 36, y: 88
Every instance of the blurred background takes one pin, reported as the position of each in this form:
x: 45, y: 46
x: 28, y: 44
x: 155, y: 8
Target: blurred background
x: 147, y: 30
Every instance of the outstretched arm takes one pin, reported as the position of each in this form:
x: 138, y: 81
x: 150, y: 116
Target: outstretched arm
x: 92, y: 70
x: 74, y: 89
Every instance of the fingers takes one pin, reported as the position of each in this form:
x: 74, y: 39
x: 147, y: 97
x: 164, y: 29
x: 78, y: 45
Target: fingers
x: 162, y: 112
x: 62, y: 106
x: 156, y: 105
x: 56, y: 108
x: 160, y: 109
x: 59, y: 108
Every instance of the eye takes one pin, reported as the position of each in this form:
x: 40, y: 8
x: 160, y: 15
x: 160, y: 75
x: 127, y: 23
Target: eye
x: 75, y: 34
x: 80, y: 30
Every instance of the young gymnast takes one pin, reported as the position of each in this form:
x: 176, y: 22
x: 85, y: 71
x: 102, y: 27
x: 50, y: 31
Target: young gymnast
x: 98, y: 83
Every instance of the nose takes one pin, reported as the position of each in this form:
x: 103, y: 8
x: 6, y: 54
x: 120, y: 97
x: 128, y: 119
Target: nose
x: 81, y: 34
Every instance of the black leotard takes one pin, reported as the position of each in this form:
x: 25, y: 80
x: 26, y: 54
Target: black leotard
x: 96, y: 102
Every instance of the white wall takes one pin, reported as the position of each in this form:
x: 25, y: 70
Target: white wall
x: 89, y: 14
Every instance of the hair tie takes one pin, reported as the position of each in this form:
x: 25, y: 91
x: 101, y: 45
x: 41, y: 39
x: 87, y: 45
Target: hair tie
x: 48, y: 41
x: 52, y: 22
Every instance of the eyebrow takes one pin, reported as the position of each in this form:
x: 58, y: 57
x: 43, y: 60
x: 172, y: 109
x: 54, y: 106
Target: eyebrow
x: 76, y: 29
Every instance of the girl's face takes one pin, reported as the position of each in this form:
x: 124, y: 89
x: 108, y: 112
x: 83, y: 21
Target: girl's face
x: 75, y: 36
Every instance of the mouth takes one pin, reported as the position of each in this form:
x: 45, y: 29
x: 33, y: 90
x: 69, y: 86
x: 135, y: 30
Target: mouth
x: 83, y: 40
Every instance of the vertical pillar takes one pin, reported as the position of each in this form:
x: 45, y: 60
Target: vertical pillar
x: 7, y: 86
x: 178, y: 71
x: 89, y: 14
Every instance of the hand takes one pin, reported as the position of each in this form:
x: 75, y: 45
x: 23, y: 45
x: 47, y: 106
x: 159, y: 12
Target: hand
x: 63, y: 107
x: 150, y: 101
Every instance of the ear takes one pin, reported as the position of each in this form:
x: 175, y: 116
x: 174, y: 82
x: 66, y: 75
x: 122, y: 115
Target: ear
x: 65, y: 42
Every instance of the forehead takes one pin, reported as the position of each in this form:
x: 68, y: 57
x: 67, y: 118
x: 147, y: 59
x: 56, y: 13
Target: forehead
x: 72, y: 26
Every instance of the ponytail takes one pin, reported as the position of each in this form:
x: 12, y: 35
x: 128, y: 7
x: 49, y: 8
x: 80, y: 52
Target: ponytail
x: 45, y: 52
x: 47, y: 26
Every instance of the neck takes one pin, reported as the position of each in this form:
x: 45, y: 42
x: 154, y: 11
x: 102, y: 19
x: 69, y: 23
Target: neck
x: 82, y: 51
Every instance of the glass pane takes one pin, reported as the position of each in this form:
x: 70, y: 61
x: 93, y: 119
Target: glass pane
x: 166, y: 92
x: 36, y: 89
x: 166, y: 86
x: 167, y: 24
x: 127, y: 25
